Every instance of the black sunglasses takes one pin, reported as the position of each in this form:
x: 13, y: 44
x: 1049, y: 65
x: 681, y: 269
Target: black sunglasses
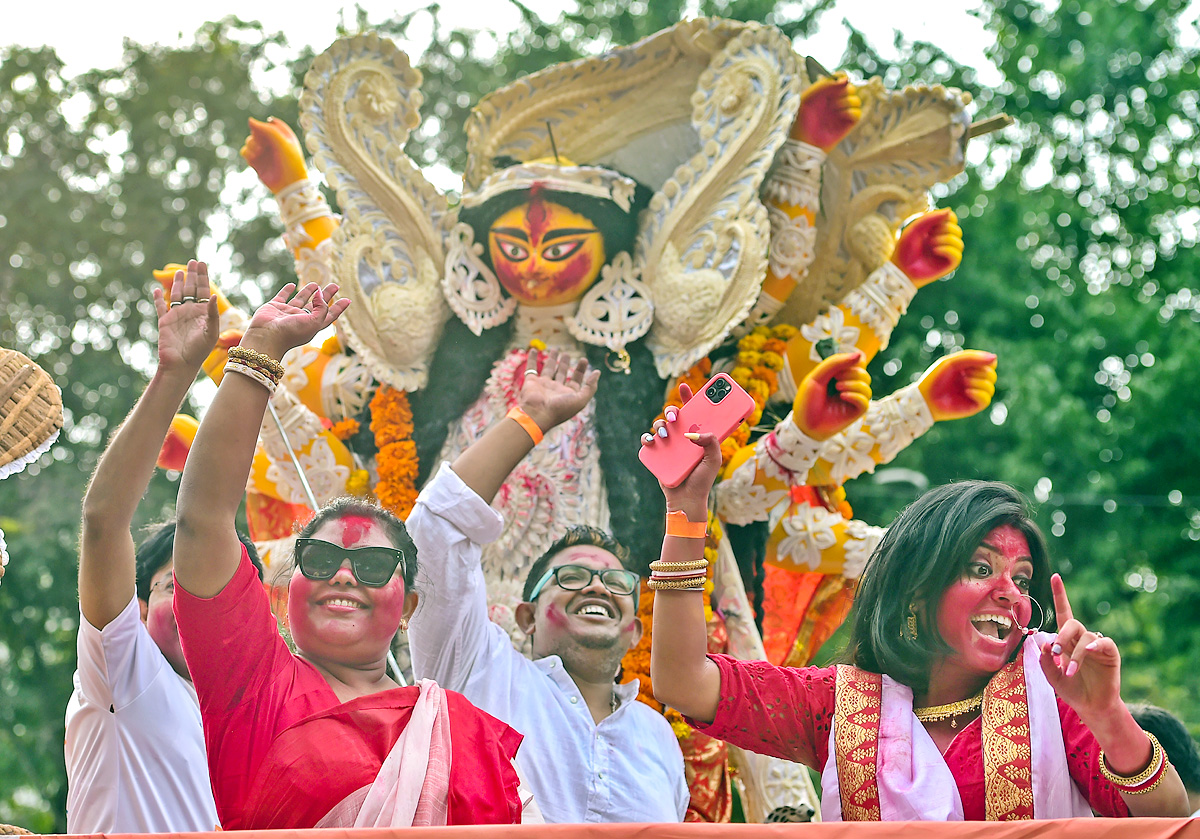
x: 372, y: 566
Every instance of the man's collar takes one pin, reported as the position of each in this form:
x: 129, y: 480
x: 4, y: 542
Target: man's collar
x: 553, y: 667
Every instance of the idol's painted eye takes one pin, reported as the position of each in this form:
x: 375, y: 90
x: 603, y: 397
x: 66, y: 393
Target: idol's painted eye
x: 561, y: 250
x: 512, y: 251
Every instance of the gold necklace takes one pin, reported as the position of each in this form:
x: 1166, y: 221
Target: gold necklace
x: 950, y: 711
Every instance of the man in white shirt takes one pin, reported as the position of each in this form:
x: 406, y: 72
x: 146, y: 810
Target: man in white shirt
x: 592, y: 752
x: 135, y: 745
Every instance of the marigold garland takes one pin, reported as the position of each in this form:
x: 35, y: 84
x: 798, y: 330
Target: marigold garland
x: 359, y: 483
x: 344, y: 429
x: 396, y: 460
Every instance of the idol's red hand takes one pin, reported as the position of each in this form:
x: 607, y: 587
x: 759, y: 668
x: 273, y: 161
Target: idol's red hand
x: 828, y: 110
x: 930, y: 247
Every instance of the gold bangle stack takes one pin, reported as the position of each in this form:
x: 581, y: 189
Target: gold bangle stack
x: 254, y: 358
x: 683, y: 575
x: 255, y: 365
x: 1144, y: 781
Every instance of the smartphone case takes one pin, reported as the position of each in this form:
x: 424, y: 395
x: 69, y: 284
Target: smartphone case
x: 672, y: 458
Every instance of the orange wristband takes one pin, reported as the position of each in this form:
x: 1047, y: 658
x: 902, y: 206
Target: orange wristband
x: 525, y: 421
x: 678, y: 524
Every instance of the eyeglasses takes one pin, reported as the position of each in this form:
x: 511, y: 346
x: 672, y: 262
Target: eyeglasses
x: 578, y: 577
x: 373, y: 566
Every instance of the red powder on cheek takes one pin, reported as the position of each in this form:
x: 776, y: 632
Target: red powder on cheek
x: 573, y: 272
x: 355, y: 528
x: 555, y: 615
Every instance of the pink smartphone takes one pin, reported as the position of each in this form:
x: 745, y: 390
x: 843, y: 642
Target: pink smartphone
x: 718, y: 408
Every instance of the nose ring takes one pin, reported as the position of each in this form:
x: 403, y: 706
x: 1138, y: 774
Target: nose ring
x: 1025, y: 630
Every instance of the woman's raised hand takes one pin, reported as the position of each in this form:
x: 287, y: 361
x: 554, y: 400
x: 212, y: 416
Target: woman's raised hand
x: 1082, y: 666
x: 187, y: 319
x: 292, y: 317
x: 690, y: 496
x: 558, y: 390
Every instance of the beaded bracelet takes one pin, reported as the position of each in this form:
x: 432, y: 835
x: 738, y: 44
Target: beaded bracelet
x: 1144, y: 781
x: 256, y: 357
x: 235, y: 366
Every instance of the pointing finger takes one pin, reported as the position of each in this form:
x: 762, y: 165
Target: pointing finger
x: 1062, y: 606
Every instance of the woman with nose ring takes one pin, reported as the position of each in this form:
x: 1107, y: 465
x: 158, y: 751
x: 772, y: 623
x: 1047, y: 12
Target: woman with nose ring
x: 950, y: 704
x: 319, y: 737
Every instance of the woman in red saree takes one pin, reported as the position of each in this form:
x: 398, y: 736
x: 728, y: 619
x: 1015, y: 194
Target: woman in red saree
x: 951, y: 708
x: 323, y: 736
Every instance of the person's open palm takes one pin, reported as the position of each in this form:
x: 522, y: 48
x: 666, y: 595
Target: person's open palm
x: 558, y: 390
x: 292, y: 317
x: 188, y: 324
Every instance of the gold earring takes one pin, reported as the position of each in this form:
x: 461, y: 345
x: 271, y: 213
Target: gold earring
x: 404, y: 624
x: 911, y: 623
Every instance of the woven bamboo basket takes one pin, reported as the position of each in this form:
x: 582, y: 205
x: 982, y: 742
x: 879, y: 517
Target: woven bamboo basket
x: 31, y: 412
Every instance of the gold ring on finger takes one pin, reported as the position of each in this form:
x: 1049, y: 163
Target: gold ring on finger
x: 201, y: 299
x: 187, y: 298
x: 174, y: 303
x: 530, y: 372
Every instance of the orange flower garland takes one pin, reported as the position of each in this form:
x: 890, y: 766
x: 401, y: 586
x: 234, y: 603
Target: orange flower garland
x: 396, y: 460
x: 344, y: 429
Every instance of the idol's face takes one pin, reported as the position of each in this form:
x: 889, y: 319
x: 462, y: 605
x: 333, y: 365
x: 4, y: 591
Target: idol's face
x: 545, y: 254
x: 981, y: 614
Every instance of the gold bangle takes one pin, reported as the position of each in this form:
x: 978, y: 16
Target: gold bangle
x: 254, y: 365
x: 1156, y: 757
x: 683, y: 565
x: 1151, y: 786
x: 240, y: 367
x: 683, y: 584
x: 256, y: 357
x: 678, y: 524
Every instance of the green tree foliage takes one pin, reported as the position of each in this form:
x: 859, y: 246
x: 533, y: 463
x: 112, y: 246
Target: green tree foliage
x: 1081, y: 226
x: 1080, y: 273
